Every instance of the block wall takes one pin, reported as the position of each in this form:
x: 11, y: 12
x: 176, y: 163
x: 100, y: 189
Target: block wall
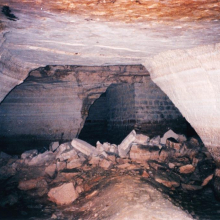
x: 121, y: 110
x: 154, y: 111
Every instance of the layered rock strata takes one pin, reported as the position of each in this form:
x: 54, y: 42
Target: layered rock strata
x: 193, y: 79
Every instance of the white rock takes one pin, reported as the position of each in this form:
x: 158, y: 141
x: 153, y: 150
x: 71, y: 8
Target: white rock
x: 99, y: 147
x: 168, y: 134
x: 106, y: 146
x: 155, y: 141
x: 64, y: 194
x: 41, y: 159
x: 63, y: 147
x: 29, y: 154
x: 141, y: 139
x: 113, y: 149
x: 125, y: 146
x: 67, y: 155
x: 84, y: 147
x: 53, y: 146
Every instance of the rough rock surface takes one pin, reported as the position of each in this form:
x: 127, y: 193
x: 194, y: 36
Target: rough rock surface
x: 63, y: 195
x: 24, y: 48
x: 119, y: 185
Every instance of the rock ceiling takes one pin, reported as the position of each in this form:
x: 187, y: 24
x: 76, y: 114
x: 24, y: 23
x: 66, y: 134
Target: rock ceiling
x: 104, y: 32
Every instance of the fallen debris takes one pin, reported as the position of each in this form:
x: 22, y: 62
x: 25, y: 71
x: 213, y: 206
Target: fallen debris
x: 64, y: 194
x: 124, y: 147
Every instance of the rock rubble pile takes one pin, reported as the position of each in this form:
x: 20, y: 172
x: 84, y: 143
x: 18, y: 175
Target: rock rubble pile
x: 63, y: 173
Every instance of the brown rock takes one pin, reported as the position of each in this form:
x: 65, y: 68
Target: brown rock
x: 145, y: 174
x: 79, y: 189
x: 112, y: 158
x: 51, y: 170
x: 189, y: 168
x: 194, y: 141
x: 61, y: 166
x: 64, y: 194
x: 32, y: 184
x: 127, y: 166
x: 191, y: 187
x: 94, y: 160
x: 207, y: 179
x: 105, y: 164
x: 172, y: 143
x: 167, y: 183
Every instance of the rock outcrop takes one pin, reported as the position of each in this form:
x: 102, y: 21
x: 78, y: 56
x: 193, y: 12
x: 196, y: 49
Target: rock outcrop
x: 193, y: 79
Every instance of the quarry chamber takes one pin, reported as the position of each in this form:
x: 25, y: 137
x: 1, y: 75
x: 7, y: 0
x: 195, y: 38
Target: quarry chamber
x: 59, y: 103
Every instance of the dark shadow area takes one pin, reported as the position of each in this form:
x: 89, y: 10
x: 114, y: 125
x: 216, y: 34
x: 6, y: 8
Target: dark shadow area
x: 7, y: 12
x: 124, y: 107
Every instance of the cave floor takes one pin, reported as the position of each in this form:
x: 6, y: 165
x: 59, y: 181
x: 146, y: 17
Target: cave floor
x: 113, y: 194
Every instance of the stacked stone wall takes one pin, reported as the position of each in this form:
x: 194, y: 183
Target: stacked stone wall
x: 154, y: 111
x: 121, y: 115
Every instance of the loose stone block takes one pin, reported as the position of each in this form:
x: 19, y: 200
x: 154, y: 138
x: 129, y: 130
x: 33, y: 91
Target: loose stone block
x: 32, y: 184
x: 173, y: 143
x: 125, y: 146
x: 94, y: 160
x: 75, y: 163
x: 142, y: 154
x: 141, y: 139
x: 67, y: 155
x: 187, y: 169
x: 84, y: 147
x: 106, y: 146
x: 168, y: 134
x: 61, y: 165
x: 51, y: 170
x: 105, y: 164
x: 53, y: 146
x: 29, y: 154
x: 64, y: 194
x: 155, y: 141
x: 62, y: 147
x: 41, y: 159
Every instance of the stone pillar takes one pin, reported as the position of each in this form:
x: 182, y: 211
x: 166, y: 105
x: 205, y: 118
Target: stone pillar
x: 191, y: 79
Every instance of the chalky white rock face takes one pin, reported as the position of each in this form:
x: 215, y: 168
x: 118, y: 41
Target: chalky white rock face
x: 191, y: 79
